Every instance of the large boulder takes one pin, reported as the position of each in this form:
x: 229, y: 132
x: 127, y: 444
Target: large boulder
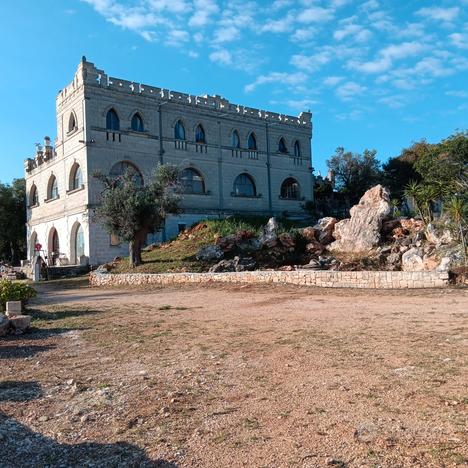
x: 210, y: 253
x: 412, y: 260
x: 324, y: 230
x: 361, y: 232
x: 269, y: 237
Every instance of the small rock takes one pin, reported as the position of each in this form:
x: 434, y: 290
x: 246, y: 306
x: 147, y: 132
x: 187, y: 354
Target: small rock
x: 210, y: 253
x: 335, y: 462
x: 20, y: 322
x: 324, y: 230
x: 365, y: 433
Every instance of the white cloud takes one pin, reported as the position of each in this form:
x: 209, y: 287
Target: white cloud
x: 302, y: 35
x: 395, y: 102
x: 339, y: 3
x: 459, y: 40
x: 310, y: 63
x: 204, y: 11
x: 458, y: 94
x: 278, y: 26
x: 228, y: 34
x: 315, y: 15
x: 349, y: 90
x: 222, y: 57
x: 280, y: 4
x: 387, y: 55
x: 357, y: 33
x: 290, y: 79
x: 332, y: 80
x: 370, y: 5
x: 173, y: 6
x: 439, y: 14
x: 177, y: 37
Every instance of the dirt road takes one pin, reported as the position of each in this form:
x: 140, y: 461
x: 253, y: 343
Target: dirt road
x: 231, y: 376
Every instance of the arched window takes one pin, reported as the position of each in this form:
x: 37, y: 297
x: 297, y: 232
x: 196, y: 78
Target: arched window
x: 112, y: 121
x: 179, y: 131
x: 200, y: 135
x: 252, y: 142
x: 297, y: 149
x: 52, y: 188
x: 76, y: 177
x: 72, y: 122
x: 121, y: 168
x: 290, y: 189
x: 33, y: 196
x: 244, y: 186
x: 282, y: 146
x: 192, y: 181
x: 137, y: 123
x: 235, y: 139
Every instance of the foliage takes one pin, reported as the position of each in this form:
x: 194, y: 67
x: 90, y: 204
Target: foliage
x: 397, y: 173
x: 12, y: 221
x: 11, y: 291
x: 326, y: 202
x: 354, y: 173
x: 131, y: 211
x: 446, y: 164
x: 457, y: 210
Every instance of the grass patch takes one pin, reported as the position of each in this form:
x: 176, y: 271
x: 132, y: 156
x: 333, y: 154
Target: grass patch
x: 179, y: 255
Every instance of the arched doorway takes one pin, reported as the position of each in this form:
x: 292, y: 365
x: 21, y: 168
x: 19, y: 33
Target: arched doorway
x: 77, y: 243
x: 54, y: 247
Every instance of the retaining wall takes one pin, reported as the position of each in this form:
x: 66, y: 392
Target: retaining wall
x: 327, y: 279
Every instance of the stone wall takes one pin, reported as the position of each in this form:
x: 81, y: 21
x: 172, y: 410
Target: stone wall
x: 327, y: 279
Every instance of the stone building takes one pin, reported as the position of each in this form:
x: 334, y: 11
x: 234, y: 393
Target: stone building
x: 235, y: 159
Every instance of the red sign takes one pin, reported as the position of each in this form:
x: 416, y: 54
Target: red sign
x: 37, y: 247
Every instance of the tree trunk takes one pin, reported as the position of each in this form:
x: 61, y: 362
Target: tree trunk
x: 132, y: 254
x: 135, y: 247
x: 462, y: 238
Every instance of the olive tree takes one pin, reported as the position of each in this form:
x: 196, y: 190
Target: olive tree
x: 131, y: 210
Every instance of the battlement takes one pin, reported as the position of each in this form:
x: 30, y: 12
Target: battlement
x: 88, y: 74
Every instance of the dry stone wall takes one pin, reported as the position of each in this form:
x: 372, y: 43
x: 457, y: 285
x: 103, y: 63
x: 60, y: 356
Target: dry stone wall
x: 327, y: 279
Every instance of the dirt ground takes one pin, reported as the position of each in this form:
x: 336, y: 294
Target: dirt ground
x: 237, y: 376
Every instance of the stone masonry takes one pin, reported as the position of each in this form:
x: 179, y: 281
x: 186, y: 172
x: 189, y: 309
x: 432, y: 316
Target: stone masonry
x: 327, y: 279
x: 96, y: 131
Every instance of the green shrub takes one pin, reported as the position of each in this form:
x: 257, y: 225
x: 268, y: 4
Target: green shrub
x: 10, y: 291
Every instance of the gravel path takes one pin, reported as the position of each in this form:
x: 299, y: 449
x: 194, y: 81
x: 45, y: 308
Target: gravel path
x: 231, y: 376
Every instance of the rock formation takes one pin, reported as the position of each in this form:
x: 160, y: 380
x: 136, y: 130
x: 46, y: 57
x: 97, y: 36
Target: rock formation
x: 361, y: 232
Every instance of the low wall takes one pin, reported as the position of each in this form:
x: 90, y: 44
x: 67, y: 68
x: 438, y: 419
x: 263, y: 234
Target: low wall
x: 327, y: 279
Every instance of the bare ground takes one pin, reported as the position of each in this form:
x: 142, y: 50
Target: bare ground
x: 230, y: 376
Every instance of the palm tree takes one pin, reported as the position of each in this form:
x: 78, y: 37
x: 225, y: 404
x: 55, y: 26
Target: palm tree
x: 413, y: 192
x: 456, y: 209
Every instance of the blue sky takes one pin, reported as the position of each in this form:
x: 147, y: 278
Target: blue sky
x: 376, y: 74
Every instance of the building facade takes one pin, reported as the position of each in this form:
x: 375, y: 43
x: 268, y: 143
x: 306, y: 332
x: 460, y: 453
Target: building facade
x: 234, y: 159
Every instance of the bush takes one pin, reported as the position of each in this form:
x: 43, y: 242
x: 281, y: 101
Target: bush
x: 10, y: 291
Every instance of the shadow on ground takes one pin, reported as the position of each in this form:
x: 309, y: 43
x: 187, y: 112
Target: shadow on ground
x: 23, y: 447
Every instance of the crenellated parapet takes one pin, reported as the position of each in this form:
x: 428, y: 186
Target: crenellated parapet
x: 88, y: 74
